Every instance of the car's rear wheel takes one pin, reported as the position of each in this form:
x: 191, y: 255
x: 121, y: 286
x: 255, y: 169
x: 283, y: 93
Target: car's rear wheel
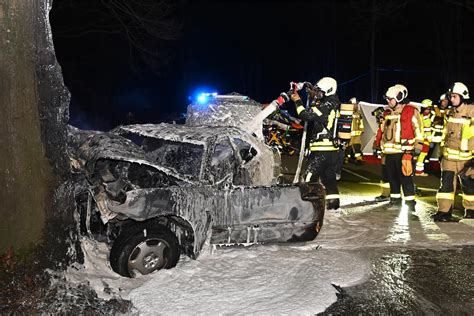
x: 143, y: 249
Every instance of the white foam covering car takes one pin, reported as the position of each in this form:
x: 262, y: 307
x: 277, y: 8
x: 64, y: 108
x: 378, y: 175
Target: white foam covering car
x: 155, y: 191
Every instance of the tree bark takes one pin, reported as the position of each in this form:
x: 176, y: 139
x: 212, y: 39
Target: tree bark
x: 33, y: 129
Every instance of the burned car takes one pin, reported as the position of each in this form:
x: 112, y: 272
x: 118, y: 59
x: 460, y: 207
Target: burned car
x: 155, y: 191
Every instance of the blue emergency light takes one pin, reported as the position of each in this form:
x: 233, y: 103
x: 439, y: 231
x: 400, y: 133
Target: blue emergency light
x: 204, y: 97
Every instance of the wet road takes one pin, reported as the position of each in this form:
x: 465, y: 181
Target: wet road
x: 412, y: 281
x: 417, y: 266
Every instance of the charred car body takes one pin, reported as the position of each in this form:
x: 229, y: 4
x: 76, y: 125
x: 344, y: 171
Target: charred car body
x: 154, y: 191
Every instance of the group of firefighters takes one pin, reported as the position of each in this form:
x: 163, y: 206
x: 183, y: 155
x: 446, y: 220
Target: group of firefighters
x: 406, y: 137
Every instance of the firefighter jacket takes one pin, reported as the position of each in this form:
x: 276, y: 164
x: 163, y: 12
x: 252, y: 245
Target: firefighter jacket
x: 401, y: 130
x: 458, y: 132
x: 324, y: 117
x: 357, y: 128
x: 437, y: 125
x: 426, y: 118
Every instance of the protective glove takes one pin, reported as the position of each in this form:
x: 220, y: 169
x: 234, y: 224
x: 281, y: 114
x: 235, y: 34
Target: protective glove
x: 283, y: 98
x: 295, y: 96
x: 416, y: 153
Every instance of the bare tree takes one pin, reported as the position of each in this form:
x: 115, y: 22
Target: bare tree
x: 147, y: 25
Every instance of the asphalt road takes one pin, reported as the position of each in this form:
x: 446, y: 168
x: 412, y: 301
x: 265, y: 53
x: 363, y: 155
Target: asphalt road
x: 417, y: 266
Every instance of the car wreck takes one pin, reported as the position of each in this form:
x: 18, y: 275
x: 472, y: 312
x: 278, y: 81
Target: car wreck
x: 154, y: 191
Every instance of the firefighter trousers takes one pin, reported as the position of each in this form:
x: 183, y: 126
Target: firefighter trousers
x: 322, y: 167
x: 451, y: 170
x: 396, y: 178
x: 384, y: 183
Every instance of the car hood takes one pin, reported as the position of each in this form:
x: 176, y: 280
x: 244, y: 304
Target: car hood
x: 98, y: 146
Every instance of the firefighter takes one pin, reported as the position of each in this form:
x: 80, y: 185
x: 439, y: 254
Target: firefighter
x: 427, y: 120
x: 401, y: 141
x: 354, y: 150
x: 323, y: 147
x: 379, y: 114
x: 458, y: 145
x: 438, y: 113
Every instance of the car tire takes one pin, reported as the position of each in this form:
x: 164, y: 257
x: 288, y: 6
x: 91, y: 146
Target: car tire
x: 143, y: 249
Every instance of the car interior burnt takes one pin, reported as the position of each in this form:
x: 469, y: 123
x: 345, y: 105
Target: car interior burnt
x: 119, y: 177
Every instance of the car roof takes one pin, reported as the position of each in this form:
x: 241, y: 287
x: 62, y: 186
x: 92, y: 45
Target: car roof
x: 177, y: 132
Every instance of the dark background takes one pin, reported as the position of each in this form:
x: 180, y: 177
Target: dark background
x: 148, y: 57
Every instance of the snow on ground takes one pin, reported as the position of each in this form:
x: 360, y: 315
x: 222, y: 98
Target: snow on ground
x: 274, y: 279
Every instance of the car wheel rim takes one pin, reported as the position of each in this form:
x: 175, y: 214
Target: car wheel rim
x: 148, y: 256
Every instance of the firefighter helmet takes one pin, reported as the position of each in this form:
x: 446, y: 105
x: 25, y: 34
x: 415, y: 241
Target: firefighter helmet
x: 459, y: 88
x: 397, y: 92
x: 426, y: 103
x: 328, y: 85
x: 403, y: 89
x: 443, y: 97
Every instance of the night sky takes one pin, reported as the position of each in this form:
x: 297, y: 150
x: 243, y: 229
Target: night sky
x: 151, y: 63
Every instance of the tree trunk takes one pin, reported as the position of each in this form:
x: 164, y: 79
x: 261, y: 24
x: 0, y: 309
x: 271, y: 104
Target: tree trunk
x: 33, y: 131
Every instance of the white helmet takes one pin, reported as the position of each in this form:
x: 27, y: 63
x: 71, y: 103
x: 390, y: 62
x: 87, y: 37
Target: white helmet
x: 403, y: 89
x: 443, y: 97
x: 459, y: 88
x: 397, y: 92
x: 353, y: 100
x: 328, y: 85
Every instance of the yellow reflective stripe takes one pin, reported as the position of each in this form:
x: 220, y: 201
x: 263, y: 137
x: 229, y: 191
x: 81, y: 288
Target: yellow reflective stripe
x: 445, y: 196
x: 385, y: 185
x: 391, y: 117
x: 456, y: 154
x: 345, y: 112
x: 457, y: 157
x: 323, y: 142
x: 316, y: 110
x: 464, y: 144
x: 409, y: 198
x: 356, y: 133
x: 324, y: 145
x: 418, y: 130
x: 308, y: 176
x: 357, y: 155
x: 331, y: 118
x: 395, y: 195
x: 457, y: 120
x: 332, y: 196
x: 469, y: 198
x: 300, y: 109
x: 323, y: 148
x: 398, y: 131
x: 392, y: 145
x: 391, y: 150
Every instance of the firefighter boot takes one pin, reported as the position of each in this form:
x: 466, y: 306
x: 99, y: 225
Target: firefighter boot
x: 411, y: 207
x: 332, y: 204
x: 443, y: 217
x: 468, y: 213
x: 381, y: 198
x: 395, y: 204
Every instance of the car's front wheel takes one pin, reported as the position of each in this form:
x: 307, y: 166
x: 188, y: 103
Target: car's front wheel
x: 143, y: 249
